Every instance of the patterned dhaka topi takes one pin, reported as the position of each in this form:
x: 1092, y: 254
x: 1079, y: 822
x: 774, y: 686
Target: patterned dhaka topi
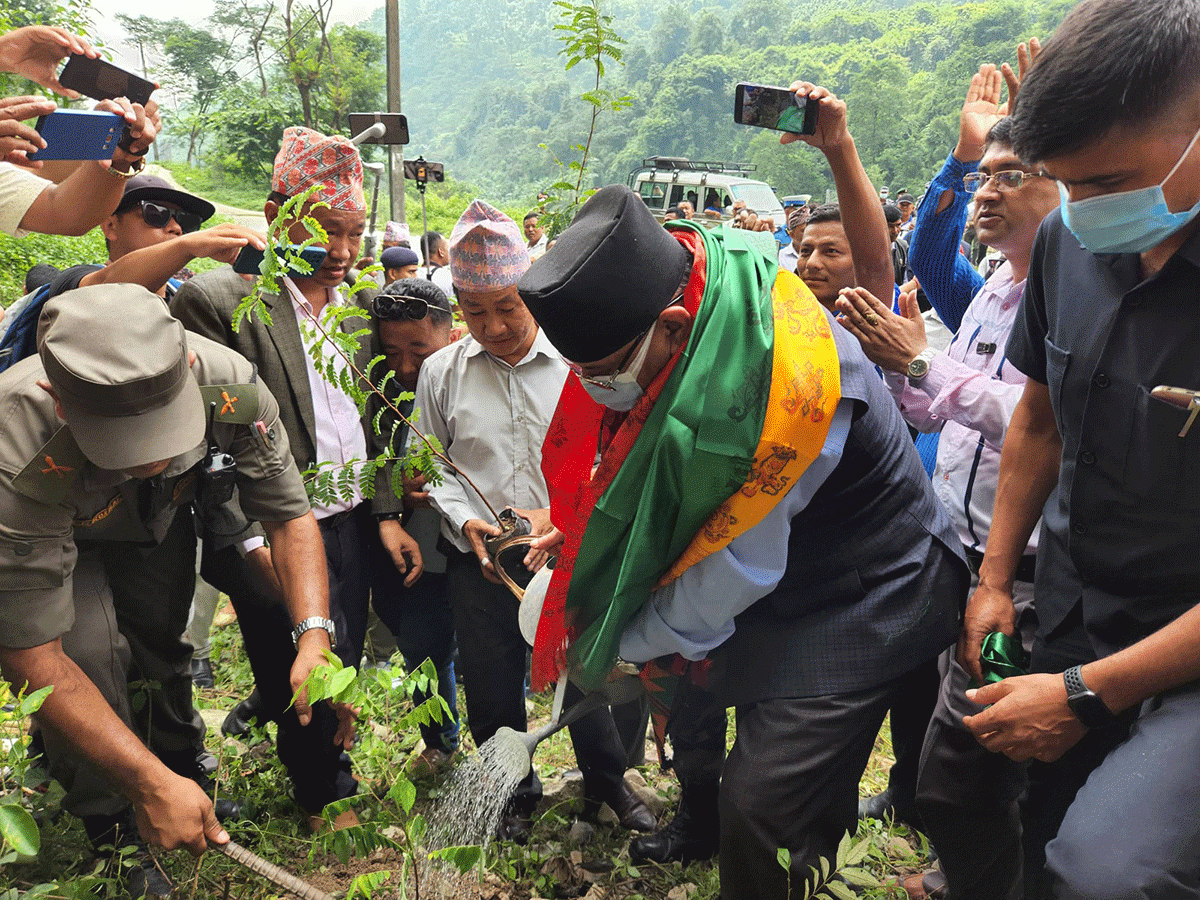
x: 487, y: 250
x: 395, y: 232
x: 307, y: 158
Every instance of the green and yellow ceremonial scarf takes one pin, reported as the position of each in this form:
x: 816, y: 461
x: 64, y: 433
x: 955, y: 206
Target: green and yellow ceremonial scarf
x: 719, y: 438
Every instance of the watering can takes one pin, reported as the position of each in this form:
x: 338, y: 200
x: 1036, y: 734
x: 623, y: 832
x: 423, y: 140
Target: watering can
x: 519, y: 745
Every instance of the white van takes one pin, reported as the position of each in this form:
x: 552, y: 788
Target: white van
x: 711, y: 188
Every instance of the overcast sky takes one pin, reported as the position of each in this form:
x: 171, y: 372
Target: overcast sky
x: 193, y: 11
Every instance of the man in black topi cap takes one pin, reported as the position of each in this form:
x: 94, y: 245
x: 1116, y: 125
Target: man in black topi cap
x: 756, y: 520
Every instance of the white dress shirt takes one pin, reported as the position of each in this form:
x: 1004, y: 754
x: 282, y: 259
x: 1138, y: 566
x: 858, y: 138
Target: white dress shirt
x: 339, y: 438
x: 789, y: 257
x: 491, y: 418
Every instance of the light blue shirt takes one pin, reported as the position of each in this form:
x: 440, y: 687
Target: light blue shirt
x: 694, y: 614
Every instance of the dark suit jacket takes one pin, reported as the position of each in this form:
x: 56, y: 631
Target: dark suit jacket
x: 205, y: 304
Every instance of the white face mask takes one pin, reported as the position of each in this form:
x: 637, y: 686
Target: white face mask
x: 1130, y: 221
x: 624, y: 391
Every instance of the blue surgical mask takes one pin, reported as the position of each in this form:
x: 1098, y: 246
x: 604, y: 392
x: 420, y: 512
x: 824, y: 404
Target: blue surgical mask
x: 1128, y: 222
x: 624, y: 391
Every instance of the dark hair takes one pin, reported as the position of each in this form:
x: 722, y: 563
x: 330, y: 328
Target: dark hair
x: 423, y: 289
x: 892, y: 214
x: 1000, y: 133
x: 531, y: 215
x: 429, y: 239
x: 1110, y: 62
x: 826, y: 212
x: 40, y: 274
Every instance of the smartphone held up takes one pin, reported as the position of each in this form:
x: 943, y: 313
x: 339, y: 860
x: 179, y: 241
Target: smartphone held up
x: 777, y: 108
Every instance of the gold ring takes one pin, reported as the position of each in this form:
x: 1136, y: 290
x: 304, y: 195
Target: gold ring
x: 872, y: 319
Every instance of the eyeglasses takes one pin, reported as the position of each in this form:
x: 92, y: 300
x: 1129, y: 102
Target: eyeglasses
x: 606, y: 383
x: 392, y: 307
x: 1010, y: 180
x: 157, y: 216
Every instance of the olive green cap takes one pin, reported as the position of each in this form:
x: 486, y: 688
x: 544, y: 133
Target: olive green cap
x: 118, y: 361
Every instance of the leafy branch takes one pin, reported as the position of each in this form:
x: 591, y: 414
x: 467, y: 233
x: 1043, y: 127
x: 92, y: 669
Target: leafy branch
x: 586, y: 35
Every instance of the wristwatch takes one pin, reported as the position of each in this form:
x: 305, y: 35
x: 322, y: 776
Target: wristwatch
x: 1086, y: 704
x: 314, y: 622
x: 919, y: 367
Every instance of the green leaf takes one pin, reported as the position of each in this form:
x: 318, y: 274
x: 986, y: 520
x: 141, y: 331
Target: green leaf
x: 856, y: 853
x: 462, y: 858
x: 403, y: 792
x: 840, y: 891
x: 340, y: 682
x: 18, y: 830
x: 33, y: 702
x: 784, y: 857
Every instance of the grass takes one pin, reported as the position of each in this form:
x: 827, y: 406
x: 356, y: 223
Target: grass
x: 550, y: 866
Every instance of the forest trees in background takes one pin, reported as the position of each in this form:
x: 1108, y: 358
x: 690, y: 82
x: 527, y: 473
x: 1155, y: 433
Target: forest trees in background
x: 482, y: 87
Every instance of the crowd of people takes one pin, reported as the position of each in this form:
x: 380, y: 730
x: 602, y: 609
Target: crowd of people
x: 857, y: 475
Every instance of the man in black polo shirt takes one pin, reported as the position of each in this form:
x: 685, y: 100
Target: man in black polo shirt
x: 1110, y: 312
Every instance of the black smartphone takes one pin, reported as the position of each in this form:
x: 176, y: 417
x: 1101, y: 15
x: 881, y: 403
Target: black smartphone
x: 777, y: 108
x: 395, y: 127
x: 250, y: 259
x: 102, y: 80
x: 423, y: 172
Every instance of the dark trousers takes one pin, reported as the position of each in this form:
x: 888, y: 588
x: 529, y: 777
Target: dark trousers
x: 791, y: 781
x: 347, y: 535
x: 697, y: 728
x: 1133, y: 831
x: 129, y: 601
x: 319, y: 771
x: 989, y: 817
x: 420, y: 620
x: 910, y: 715
x: 492, y: 656
x: 152, y: 588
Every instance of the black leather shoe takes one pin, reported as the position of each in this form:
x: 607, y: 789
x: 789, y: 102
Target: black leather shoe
x: 878, y: 806
x: 202, y: 673
x: 693, y: 834
x: 632, y: 813
x: 241, y: 717
x: 140, y: 875
x: 883, y: 806
x: 146, y: 881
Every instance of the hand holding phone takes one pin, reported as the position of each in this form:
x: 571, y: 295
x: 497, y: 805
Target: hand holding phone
x: 777, y: 108
x: 101, y: 80
x: 78, y: 134
x: 831, y: 131
x: 18, y: 140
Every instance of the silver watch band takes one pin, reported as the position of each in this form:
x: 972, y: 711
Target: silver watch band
x: 315, y: 622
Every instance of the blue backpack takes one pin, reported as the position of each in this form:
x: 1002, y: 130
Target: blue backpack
x: 20, y: 338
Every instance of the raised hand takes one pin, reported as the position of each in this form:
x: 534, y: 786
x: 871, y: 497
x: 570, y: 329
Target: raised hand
x: 222, y: 242
x: 981, y: 110
x: 831, y: 130
x: 34, y: 52
x: 17, y: 139
x: 1026, y: 54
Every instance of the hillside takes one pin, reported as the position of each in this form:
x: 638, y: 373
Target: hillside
x: 483, y: 85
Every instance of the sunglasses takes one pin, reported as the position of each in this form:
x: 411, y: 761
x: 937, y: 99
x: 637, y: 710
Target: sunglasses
x: 392, y: 307
x: 157, y: 216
